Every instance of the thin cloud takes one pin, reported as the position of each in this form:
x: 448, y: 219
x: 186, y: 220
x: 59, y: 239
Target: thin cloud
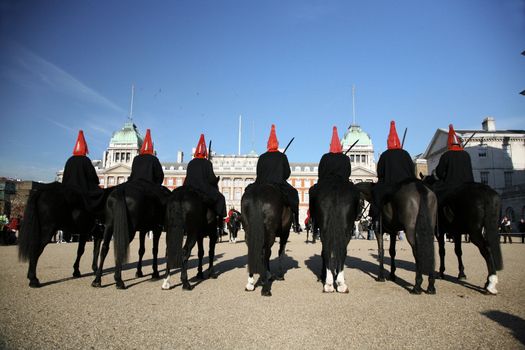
x: 60, y: 125
x: 46, y: 73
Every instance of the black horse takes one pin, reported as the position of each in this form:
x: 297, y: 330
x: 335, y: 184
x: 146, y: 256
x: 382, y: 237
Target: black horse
x: 234, y: 224
x: 265, y: 217
x: 131, y: 207
x: 187, y: 213
x: 472, y: 209
x: 412, y: 208
x: 53, y: 207
x: 335, y: 209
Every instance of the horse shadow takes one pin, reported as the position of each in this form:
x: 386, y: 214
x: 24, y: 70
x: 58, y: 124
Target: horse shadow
x: 110, y: 270
x: 514, y: 323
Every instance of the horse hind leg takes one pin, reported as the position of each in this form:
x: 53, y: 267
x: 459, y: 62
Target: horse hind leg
x: 186, y: 252
x: 392, y: 251
x: 156, y: 237
x: 266, y: 276
x: 459, y: 254
x: 200, y: 254
x: 211, y: 257
x: 250, y: 286
x: 340, y: 281
x: 80, y: 251
x: 142, y: 251
x: 282, y: 249
x: 328, y: 286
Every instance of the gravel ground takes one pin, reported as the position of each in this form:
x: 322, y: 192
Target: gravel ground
x: 68, y: 313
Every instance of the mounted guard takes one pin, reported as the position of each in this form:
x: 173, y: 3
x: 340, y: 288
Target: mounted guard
x: 334, y: 206
x: 201, y: 177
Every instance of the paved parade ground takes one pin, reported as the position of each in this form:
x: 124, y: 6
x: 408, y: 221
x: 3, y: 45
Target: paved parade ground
x: 219, y: 314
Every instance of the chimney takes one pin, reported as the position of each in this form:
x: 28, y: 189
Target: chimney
x: 489, y: 124
x: 180, y: 156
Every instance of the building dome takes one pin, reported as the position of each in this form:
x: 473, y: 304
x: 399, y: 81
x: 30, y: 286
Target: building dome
x: 353, y: 133
x: 127, y: 135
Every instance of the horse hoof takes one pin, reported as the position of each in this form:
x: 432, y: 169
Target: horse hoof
x: 249, y: 288
x: 392, y: 277
x: 165, y: 285
x: 342, y: 289
x: 462, y: 277
x: 266, y: 293
x: 213, y: 275
x: 328, y: 288
x: 278, y: 278
x: 96, y: 284
x: 416, y: 291
x: 200, y: 276
x: 187, y: 286
x: 431, y: 291
x: 120, y: 285
x: 34, y: 284
x: 76, y: 274
x: 381, y: 279
x: 155, y: 276
x: 139, y: 274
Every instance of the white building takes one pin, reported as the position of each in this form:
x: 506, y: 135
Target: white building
x: 498, y: 160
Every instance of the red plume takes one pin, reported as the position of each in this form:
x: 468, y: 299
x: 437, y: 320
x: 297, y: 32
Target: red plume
x: 147, y: 145
x: 273, y: 144
x: 81, y: 148
x: 454, y: 144
x: 335, y: 144
x: 201, y: 151
x: 393, y: 139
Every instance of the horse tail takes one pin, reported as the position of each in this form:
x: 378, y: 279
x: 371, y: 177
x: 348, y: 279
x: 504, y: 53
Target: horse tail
x: 424, y: 232
x: 174, y: 232
x: 255, y: 233
x: 120, y: 225
x: 334, y: 235
x: 30, y: 231
x: 490, y: 223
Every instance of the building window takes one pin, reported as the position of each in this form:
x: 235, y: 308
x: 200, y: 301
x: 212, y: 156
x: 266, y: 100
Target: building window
x: 298, y: 183
x: 238, y: 194
x: 306, y: 168
x: 307, y: 183
x: 306, y: 195
x: 352, y: 158
x: 102, y: 181
x: 117, y: 156
x: 238, y: 182
x: 170, y: 181
x: 248, y: 181
x: 226, y: 195
x: 482, y: 152
x: 226, y: 182
x: 484, y: 175
x: 297, y: 168
x: 121, y: 179
x: 178, y: 181
x: 363, y: 158
x: 111, y: 180
x: 508, y: 178
x: 128, y: 156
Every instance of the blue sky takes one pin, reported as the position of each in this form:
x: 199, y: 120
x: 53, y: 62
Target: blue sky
x: 198, y: 65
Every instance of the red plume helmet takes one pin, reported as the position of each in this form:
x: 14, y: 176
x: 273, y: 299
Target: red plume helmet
x: 335, y: 144
x: 393, y: 139
x: 147, y: 145
x: 81, y: 148
x: 454, y: 144
x: 201, y: 151
x: 273, y: 144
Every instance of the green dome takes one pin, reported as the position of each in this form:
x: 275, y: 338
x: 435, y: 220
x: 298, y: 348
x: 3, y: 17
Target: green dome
x: 128, y: 134
x: 353, y: 133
